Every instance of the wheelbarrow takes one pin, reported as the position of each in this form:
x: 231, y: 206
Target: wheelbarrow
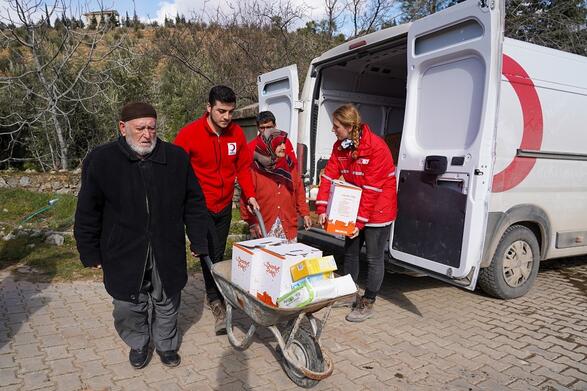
x: 303, y: 358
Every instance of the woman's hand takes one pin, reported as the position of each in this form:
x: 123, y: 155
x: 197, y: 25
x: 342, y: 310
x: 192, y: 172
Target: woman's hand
x: 322, y: 219
x: 255, y: 231
x: 252, y: 205
x: 355, y: 233
x: 307, y: 222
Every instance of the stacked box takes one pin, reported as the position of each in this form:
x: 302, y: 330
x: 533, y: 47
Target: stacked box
x: 247, y: 259
x: 274, y: 278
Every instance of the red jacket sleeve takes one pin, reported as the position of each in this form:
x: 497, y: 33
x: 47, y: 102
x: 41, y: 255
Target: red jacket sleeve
x: 376, y: 174
x: 331, y: 172
x: 183, y: 140
x: 245, y: 215
x: 300, y: 194
x: 243, y: 167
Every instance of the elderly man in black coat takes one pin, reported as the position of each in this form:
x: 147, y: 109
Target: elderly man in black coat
x: 137, y: 195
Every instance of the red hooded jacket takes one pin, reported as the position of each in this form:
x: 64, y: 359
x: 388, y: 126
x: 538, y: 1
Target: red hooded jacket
x: 217, y: 160
x: 373, y: 170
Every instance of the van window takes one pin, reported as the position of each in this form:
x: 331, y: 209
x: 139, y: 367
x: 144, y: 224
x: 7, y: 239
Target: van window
x: 452, y: 35
x: 450, y: 102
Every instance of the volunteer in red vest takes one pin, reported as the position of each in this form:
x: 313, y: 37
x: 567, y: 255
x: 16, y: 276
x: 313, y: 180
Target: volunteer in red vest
x: 278, y: 186
x: 363, y: 159
x: 218, y: 153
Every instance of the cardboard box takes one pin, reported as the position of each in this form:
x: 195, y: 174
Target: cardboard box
x: 300, y: 296
x: 342, y: 209
x: 311, y: 266
x: 247, y: 260
x: 274, y: 278
x: 305, y: 292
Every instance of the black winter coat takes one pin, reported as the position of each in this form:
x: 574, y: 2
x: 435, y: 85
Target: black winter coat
x: 126, y: 203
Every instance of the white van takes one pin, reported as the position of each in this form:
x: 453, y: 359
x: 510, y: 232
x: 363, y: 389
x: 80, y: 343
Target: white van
x: 489, y: 136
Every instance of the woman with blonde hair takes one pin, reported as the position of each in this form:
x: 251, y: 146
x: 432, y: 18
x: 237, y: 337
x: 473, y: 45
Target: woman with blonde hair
x: 363, y: 159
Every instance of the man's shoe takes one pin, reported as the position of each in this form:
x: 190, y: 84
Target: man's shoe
x: 219, y: 312
x: 362, y: 311
x: 169, y: 358
x: 139, y: 357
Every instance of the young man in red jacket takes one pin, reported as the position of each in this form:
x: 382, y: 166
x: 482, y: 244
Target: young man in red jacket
x: 219, y: 154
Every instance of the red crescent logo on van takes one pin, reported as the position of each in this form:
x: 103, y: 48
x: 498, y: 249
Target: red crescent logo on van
x: 519, y: 168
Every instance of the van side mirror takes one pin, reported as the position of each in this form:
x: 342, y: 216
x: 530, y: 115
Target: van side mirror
x: 435, y: 165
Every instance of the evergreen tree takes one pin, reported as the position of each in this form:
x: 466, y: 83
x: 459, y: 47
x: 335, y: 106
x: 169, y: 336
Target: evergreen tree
x: 559, y: 24
x: 416, y: 9
x: 47, y: 16
x: 113, y: 20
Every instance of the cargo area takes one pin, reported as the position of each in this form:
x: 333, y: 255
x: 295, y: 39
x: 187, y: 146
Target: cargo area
x: 375, y: 81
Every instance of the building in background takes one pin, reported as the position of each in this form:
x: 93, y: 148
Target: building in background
x: 103, y: 16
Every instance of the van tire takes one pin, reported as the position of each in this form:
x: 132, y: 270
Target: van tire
x: 503, y: 280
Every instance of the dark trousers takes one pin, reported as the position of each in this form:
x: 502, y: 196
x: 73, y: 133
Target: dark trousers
x: 154, y: 315
x: 375, y: 239
x: 217, y: 236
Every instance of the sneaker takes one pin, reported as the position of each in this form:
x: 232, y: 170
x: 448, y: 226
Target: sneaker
x: 219, y: 311
x: 138, y: 358
x: 169, y: 358
x: 362, y: 311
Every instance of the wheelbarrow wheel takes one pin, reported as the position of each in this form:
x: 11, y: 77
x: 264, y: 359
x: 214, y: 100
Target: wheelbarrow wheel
x: 308, y: 355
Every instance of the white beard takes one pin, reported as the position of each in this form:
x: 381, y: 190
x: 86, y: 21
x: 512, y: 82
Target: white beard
x: 140, y: 150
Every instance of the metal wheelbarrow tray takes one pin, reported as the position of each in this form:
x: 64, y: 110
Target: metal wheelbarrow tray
x: 305, y: 361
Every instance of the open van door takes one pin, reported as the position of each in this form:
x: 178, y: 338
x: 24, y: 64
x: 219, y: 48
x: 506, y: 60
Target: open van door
x: 446, y: 157
x: 279, y: 93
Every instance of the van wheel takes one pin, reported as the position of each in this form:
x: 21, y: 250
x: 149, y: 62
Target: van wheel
x: 514, y: 266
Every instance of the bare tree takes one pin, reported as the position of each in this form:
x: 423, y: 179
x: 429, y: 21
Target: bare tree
x: 234, y: 47
x: 334, y: 10
x: 369, y: 15
x: 52, y: 71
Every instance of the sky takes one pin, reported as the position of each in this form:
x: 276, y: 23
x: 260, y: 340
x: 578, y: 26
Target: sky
x: 149, y: 10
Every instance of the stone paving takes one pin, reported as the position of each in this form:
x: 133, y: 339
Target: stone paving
x: 426, y: 336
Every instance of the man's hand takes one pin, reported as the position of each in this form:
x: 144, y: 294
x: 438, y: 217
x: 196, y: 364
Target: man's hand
x: 97, y: 267
x: 252, y: 204
x: 195, y: 255
x: 307, y: 222
x: 255, y: 231
x: 355, y: 233
x: 322, y: 219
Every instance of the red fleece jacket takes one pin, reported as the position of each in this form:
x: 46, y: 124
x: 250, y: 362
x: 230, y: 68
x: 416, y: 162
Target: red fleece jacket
x: 217, y: 160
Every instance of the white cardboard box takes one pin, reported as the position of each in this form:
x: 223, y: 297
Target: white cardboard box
x: 342, y: 209
x: 247, y: 260
x: 274, y: 278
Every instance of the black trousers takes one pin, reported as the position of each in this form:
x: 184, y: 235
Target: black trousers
x: 375, y: 239
x: 217, y: 236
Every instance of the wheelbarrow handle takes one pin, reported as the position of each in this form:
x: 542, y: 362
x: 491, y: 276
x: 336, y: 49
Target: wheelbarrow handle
x: 261, y: 222
x: 207, y: 260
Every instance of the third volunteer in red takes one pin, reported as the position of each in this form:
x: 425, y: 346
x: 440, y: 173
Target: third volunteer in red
x: 218, y: 153
x: 364, y: 160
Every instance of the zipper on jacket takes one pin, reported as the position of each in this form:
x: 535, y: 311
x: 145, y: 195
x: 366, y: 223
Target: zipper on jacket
x: 148, y: 228
x: 219, y: 162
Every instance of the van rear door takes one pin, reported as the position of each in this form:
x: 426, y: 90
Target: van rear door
x: 446, y: 156
x: 279, y: 92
